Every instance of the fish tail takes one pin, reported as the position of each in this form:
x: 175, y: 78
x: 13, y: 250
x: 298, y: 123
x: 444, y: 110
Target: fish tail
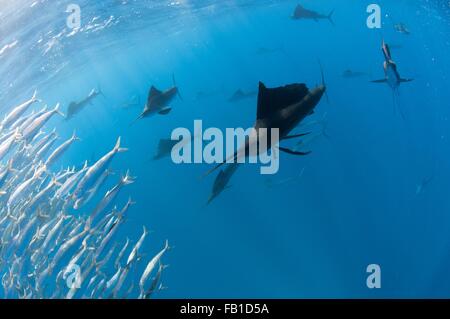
x: 330, y: 17
x: 56, y: 110
x: 34, y: 97
x: 130, y: 201
x: 117, y: 147
x: 17, y: 134
x: 397, y: 106
x: 55, y: 181
x: 127, y: 179
x: 167, y: 246
x: 75, y: 137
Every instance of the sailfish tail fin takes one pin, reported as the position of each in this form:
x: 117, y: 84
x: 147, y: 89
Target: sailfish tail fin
x: 396, y: 105
x: 330, y: 17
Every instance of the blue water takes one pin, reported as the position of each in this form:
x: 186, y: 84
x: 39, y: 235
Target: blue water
x: 356, y: 203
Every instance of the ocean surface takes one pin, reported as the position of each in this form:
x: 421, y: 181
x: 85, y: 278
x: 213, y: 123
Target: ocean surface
x: 374, y: 190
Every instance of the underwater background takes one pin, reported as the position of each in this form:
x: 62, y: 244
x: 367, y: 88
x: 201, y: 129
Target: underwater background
x: 356, y: 202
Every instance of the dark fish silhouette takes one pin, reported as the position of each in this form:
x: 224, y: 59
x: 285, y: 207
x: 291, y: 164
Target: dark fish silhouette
x: 166, y: 145
x: 222, y: 180
x: 76, y: 107
x: 302, y: 13
x: 240, y: 95
x: 349, y: 74
x: 158, y: 101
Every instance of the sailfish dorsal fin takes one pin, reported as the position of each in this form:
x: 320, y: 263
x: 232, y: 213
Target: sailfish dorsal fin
x: 153, y: 91
x: 271, y: 100
x: 299, y: 9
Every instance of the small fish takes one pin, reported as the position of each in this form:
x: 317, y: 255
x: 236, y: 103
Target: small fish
x: 240, y: 95
x: 112, y: 194
x: 134, y: 253
x: 151, y: 266
x: 96, y: 170
x: 349, y: 74
x: 30, y: 131
x: 58, y: 152
x: 18, y: 111
x: 401, y: 28
x: 303, y: 13
x: 5, y: 147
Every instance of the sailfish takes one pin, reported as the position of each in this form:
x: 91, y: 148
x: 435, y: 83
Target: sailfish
x: 391, y: 75
x: 157, y: 101
x: 280, y: 108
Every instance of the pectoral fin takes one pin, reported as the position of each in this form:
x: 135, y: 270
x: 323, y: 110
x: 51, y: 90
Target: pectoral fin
x: 379, y: 81
x: 406, y: 80
x: 289, y: 151
x: 165, y: 111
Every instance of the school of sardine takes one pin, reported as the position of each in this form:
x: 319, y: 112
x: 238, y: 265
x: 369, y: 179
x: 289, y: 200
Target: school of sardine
x: 49, y: 246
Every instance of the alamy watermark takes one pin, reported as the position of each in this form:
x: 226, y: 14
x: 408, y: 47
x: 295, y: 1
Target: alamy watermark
x: 374, y: 279
x: 73, y: 21
x: 236, y: 145
x: 374, y: 18
x: 72, y: 276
